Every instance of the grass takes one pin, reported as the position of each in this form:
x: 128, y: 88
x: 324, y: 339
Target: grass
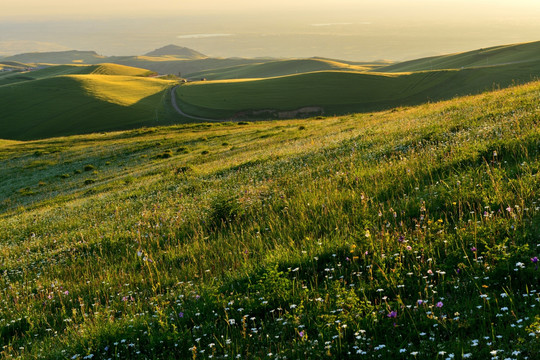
x: 278, y: 68
x: 409, y: 234
x: 497, y: 55
x: 341, y: 92
x: 75, y: 104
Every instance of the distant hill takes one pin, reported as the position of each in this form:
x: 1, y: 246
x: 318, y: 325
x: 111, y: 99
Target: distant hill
x: 177, y: 51
x: 339, y: 92
x: 58, y: 57
x: 274, y: 68
x: 497, y: 55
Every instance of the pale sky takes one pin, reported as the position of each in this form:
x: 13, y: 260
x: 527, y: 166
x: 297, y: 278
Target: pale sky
x: 346, y: 29
x: 17, y: 9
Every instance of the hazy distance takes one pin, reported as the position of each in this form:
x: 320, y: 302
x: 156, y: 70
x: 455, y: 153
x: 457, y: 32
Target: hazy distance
x: 343, y: 29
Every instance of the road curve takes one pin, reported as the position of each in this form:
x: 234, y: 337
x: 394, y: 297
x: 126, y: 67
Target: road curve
x: 178, y: 110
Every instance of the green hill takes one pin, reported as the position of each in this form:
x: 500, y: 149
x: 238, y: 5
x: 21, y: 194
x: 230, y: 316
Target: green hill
x: 177, y: 51
x: 408, y: 234
x: 497, y: 55
x: 342, y: 92
x: 76, y: 104
x: 59, y: 70
x: 58, y: 57
x: 277, y: 68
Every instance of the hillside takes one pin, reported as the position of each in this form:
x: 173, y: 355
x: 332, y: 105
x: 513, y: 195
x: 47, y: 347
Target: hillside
x: 58, y: 57
x: 277, y: 68
x: 407, y: 234
x: 342, y: 92
x: 59, y: 70
x: 497, y: 55
x: 177, y: 51
x: 78, y: 104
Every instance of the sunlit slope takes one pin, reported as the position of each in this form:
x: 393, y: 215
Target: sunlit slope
x: 342, y: 92
x: 58, y: 70
x: 276, y: 68
x: 498, y: 55
x: 77, y: 104
x: 168, y: 65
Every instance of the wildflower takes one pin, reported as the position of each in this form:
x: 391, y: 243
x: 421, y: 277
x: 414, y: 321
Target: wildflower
x: 440, y: 304
x: 180, y: 314
x: 401, y: 238
x: 392, y: 314
x: 473, y: 249
x: 301, y: 334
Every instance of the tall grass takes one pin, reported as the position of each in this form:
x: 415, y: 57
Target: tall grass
x: 406, y: 234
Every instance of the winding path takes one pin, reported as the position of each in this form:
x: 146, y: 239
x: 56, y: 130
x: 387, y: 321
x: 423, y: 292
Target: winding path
x: 178, y: 110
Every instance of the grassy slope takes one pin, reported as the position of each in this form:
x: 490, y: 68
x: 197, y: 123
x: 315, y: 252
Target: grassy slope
x: 175, y: 66
x: 504, y: 54
x: 76, y: 104
x: 342, y: 92
x: 58, y: 57
x: 58, y: 70
x: 305, y: 239
x: 276, y: 68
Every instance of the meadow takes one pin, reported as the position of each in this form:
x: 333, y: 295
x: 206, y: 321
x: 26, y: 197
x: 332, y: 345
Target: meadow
x: 77, y: 99
x: 410, y: 233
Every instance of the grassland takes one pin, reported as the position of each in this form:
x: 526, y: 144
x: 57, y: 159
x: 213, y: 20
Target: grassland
x: 497, y: 55
x: 339, y: 92
x: 404, y: 234
x: 76, y: 104
x: 279, y: 68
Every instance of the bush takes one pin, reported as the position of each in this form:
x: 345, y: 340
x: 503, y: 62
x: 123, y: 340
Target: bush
x: 165, y: 155
x: 89, y: 167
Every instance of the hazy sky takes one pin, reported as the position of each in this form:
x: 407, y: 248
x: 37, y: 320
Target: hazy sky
x: 350, y: 29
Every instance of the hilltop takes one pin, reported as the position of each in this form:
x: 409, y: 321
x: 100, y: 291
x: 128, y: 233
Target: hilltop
x: 403, y: 234
x: 177, y: 51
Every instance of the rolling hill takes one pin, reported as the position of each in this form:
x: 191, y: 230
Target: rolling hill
x: 338, y: 92
x: 58, y: 57
x: 180, y: 52
x: 76, y: 104
x: 275, y: 68
x: 58, y: 70
x: 497, y: 55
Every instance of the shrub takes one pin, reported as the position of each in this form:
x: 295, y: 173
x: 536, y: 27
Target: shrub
x: 165, y: 155
x: 89, y: 167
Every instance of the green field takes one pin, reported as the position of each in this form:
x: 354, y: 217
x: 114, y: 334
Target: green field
x: 497, y: 55
x: 338, y: 92
x: 404, y: 234
x: 279, y: 68
x: 77, y: 104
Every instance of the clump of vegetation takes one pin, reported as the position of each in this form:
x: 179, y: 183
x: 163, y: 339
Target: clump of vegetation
x: 89, y: 181
x: 182, y: 150
x: 89, y: 167
x: 205, y: 152
x: 165, y: 155
x: 302, y: 127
